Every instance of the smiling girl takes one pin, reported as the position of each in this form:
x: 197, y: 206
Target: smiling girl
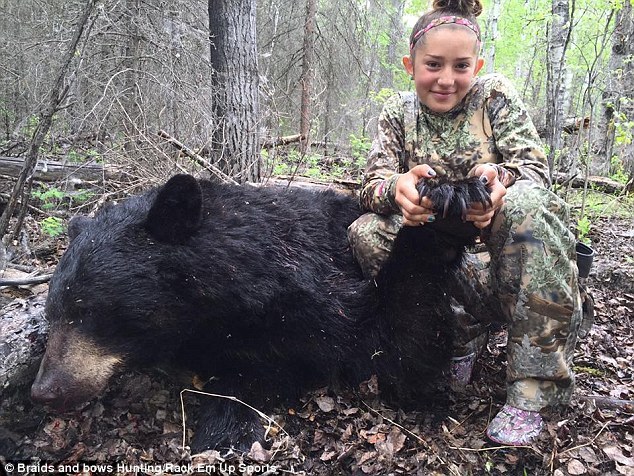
x: 458, y: 124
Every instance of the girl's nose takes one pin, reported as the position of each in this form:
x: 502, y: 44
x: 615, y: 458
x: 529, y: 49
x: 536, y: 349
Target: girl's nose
x: 445, y: 78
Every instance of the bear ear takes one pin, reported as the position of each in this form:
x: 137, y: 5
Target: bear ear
x: 177, y: 210
x: 76, y: 225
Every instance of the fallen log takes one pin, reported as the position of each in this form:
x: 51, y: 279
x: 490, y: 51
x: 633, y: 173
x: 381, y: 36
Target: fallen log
x: 595, y: 182
x: 609, y: 403
x: 23, y: 332
x: 52, y: 171
x: 279, y: 141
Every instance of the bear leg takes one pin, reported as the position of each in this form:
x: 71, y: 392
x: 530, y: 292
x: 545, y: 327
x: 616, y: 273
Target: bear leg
x: 226, y: 424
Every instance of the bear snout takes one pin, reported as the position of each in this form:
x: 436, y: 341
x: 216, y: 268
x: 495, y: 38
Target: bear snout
x: 74, y: 370
x: 48, y: 391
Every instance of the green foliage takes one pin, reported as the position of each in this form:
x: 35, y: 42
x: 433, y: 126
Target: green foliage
x: 597, y: 206
x: 617, y: 169
x: 52, y: 226
x: 31, y: 124
x: 313, y: 166
x: 382, y: 95
x: 53, y: 198
x: 623, y: 128
x: 360, y: 146
x: 583, y: 228
x: 80, y: 157
x: 588, y: 370
x: 50, y: 197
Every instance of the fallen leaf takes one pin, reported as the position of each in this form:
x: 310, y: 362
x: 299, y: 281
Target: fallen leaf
x: 576, y: 467
x: 616, y: 454
x: 392, y: 444
x: 258, y: 453
x: 325, y: 404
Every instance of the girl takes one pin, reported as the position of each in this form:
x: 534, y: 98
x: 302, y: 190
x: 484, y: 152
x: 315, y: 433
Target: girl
x: 460, y: 125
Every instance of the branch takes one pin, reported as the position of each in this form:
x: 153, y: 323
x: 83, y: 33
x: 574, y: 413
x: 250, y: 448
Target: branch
x: 44, y: 278
x: 197, y: 158
x: 609, y: 402
x: 278, y: 141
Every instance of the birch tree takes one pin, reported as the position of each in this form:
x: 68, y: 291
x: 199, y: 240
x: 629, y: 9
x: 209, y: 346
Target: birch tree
x: 617, y: 121
x: 558, y: 34
x: 492, y: 34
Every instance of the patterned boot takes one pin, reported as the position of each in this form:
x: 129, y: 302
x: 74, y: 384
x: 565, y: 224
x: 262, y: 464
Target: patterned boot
x: 515, y: 427
x: 460, y: 371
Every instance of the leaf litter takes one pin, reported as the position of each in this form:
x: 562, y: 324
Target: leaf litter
x: 342, y: 432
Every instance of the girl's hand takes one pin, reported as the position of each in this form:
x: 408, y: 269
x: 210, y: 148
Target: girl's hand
x: 477, y: 213
x: 414, y: 211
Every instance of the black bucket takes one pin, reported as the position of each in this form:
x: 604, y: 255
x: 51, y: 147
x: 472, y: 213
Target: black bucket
x: 585, y: 255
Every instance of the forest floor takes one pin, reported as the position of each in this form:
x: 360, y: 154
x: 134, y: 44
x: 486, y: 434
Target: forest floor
x: 138, y: 421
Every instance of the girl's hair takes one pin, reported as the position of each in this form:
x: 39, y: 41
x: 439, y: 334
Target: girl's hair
x: 467, y: 9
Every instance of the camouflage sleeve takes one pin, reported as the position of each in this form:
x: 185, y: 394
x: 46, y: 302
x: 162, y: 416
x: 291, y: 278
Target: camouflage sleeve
x: 383, y: 167
x: 515, y: 136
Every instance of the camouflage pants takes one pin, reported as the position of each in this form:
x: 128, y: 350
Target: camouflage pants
x: 530, y: 282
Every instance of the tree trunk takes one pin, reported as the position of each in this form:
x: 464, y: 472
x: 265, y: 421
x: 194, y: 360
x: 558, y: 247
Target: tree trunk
x: 235, y: 88
x: 396, y: 34
x: 559, y: 28
x: 132, y: 112
x: 492, y: 29
x: 306, y: 79
x: 618, y: 102
x: 22, y: 187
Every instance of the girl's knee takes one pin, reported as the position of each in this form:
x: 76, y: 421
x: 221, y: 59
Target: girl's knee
x: 372, y: 237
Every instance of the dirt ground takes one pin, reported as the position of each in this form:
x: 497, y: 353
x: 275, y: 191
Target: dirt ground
x: 136, y: 427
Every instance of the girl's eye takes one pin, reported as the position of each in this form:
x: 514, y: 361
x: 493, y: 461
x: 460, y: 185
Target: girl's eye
x: 463, y: 66
x: 433, y: 64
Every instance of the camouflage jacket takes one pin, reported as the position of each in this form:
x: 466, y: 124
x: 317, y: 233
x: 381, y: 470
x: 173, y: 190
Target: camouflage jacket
x: 490, y: 125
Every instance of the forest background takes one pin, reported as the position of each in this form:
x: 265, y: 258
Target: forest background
x: 230, y: 77
x: 92, y: 83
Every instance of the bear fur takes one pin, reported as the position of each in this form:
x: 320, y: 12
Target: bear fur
x: 255, y: 289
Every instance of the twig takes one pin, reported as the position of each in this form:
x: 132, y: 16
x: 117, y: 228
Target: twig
x: 590, y: 442
x: 411, y: 433
x: 44, y: 278
x: 226, y: 397
x: 196, y: 157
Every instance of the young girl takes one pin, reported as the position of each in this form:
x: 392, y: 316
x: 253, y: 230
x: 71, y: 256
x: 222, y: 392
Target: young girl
x: 460, y: 125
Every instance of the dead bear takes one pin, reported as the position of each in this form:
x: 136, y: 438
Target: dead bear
x: 253, y: 288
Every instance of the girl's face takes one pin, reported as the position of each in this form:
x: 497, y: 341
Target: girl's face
x: 444, y: 64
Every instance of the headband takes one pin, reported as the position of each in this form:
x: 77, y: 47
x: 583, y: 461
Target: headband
x: 447, y: 20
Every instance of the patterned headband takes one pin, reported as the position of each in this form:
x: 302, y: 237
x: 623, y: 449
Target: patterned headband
x: 445, y: 21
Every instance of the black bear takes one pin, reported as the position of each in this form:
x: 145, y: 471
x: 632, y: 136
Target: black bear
x: 253, y: 288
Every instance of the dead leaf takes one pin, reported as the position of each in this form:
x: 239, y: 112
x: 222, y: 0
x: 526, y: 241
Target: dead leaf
x: 625, y: 470
x: 616, y: 454
x: 258, y: 453
x: 327, y: 455
x: 325, y: 404
x: 392, y: 444
x: 576, y: 467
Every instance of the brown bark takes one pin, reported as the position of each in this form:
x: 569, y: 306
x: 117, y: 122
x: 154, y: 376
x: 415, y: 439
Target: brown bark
x: 306, y: 79
x: 235, y: 79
